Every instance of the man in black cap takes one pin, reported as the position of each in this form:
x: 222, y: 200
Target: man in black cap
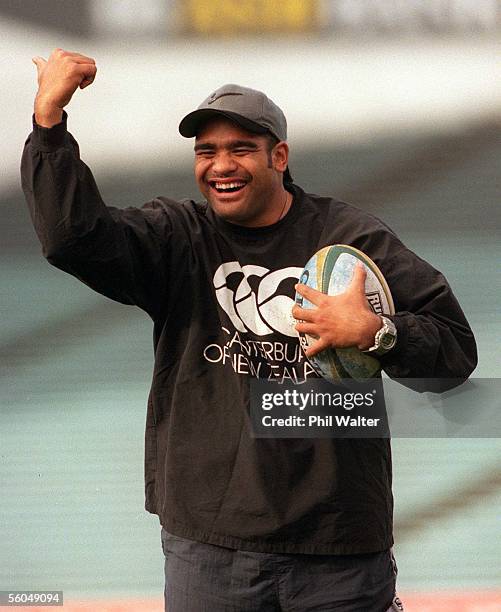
x: 247, y: 524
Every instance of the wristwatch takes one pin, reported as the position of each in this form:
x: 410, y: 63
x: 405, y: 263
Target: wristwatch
x: 384, y: 340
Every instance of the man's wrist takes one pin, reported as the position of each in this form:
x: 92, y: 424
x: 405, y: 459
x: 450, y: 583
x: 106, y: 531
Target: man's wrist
x: 374, y: 324
x: 47, y: 114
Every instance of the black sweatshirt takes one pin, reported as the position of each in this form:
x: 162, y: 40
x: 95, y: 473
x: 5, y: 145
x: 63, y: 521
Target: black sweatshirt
x: 220, y: 297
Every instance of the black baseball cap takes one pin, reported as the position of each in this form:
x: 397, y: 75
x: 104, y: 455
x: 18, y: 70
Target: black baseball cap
x: 249, y: 108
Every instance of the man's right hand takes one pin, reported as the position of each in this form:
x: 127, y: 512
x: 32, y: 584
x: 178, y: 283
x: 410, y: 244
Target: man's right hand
x: 58, y: 79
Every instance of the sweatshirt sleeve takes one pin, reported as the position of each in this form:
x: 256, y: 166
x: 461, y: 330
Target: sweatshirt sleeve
x: 121, y: 253
x: 435, y: 348
x: 434, y: 339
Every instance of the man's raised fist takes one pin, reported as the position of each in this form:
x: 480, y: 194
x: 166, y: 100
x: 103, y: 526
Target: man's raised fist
x: 58, y: 79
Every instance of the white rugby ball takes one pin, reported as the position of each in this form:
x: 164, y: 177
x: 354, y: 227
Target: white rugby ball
x: 330, y: 271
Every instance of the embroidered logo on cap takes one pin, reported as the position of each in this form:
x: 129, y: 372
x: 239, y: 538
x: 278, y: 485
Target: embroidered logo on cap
x: 215, y: 96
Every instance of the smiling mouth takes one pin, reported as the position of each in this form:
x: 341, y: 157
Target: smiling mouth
x: 227, y: 187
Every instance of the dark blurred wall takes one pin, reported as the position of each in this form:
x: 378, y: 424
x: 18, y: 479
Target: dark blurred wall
x: 65, y: 16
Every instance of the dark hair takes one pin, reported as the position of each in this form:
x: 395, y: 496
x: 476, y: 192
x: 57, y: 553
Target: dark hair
x: 272, y: 142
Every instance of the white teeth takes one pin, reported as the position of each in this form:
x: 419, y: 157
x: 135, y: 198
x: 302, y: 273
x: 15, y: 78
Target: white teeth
x: 228, y: 185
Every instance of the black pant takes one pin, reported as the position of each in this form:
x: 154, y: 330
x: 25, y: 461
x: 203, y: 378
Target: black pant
x: 205, y: 578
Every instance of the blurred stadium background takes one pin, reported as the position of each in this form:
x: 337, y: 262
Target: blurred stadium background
x: 392, y: 105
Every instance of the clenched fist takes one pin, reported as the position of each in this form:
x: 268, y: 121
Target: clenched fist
x: 58, y: 79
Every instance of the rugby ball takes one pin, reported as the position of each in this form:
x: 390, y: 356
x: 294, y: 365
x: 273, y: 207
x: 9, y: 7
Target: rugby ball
x: 330, y: 271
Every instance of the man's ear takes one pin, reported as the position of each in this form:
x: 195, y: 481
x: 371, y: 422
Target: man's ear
x: 280, y: 156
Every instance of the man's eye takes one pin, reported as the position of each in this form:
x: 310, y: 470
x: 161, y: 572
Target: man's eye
x: 204, y: 153
x: 241, y: 151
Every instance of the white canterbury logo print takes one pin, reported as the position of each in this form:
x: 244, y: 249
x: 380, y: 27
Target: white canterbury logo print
x: 253, y: 298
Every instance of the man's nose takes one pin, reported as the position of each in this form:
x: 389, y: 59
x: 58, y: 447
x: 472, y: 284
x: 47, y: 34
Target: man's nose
x: 223, y: 163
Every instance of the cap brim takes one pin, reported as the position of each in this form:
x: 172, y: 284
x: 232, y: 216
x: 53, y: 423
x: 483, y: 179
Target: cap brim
x: 192, y: 123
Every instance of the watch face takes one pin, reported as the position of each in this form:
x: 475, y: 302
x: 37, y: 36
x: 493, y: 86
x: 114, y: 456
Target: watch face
x: 387, y: 340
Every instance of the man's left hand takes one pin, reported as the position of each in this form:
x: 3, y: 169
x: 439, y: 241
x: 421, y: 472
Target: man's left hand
x: 338, y: 321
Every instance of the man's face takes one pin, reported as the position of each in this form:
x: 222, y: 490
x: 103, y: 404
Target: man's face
x: 238, y: 174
